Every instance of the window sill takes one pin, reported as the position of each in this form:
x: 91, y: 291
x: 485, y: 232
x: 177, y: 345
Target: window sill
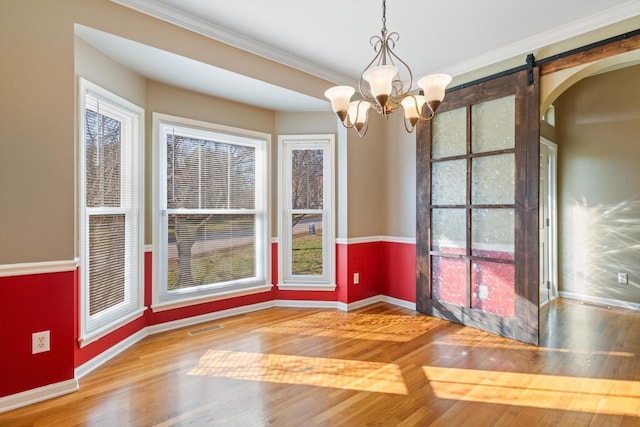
x: 200, y: 299
x: 327, y: 287
x: 87, y: 338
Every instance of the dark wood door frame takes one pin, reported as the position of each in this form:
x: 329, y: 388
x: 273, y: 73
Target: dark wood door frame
x: 524, y: 326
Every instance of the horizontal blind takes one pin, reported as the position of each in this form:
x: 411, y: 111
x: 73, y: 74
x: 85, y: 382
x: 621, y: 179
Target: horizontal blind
x: 110, y: 210
x: 212, y: 215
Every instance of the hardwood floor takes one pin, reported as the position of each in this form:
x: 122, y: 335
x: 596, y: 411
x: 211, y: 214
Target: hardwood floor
x: 378, y: 366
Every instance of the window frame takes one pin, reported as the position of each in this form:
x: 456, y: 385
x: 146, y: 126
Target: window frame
x: 287, y: 280
x: 162, y: 298
x: 96, y: 326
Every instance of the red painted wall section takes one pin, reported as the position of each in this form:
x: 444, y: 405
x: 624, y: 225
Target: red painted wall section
x: 35, y: 303
x: 342, y: 272
x: 398, y: 270
x: 364, y: 259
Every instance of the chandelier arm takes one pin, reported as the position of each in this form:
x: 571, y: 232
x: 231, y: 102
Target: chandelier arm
x: 363, y: 131
x: 403, y: 92
x: 427, y: 118
x: 406, y: 127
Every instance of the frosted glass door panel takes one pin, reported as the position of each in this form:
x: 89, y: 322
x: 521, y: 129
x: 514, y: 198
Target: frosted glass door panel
x: 493, y: 125
x: 493, y: 233
x: 449, y: 230
x: 492, y: 287
x: 449, y: 134
x: 493, y: 180
x: 449, y: 182
x: 449, y: 280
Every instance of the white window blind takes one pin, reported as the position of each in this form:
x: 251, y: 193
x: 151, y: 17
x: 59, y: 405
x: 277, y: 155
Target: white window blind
x: 111, y: 251
x: 212, y: 212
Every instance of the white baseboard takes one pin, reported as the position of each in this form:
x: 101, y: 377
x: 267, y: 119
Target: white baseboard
x: 109, y: 354
x: 601, y: 301
x: 36, y: 395
x: 399, y: 302
x: 305, y: 303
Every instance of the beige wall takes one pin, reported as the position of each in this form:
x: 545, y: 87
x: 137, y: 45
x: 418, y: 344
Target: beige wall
x: 366, y: 180
x: 598, y: 129
x: 37, y: 132
x: 400, y: 220
x: 37, y: 108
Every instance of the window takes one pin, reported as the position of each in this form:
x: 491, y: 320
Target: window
x: 307, y: 248
x: 111, y: 211
x: 212, y: 223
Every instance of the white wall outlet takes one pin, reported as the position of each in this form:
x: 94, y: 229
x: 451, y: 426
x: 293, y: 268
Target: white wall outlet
x: 483, y: 292
x: 623, y: 278
x: 40, y: 342
x: 356, y: 278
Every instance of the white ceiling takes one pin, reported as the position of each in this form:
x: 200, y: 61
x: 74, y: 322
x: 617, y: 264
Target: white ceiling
x: 330, y: 38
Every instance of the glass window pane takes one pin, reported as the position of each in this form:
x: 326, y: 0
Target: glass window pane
x: 306, y: 179
x: 493, y: 287
x: 204, y: 174
x: 493, y: 125
x: 207, y: 249
x: 306, y: 245
x: 493, y: 232
x: 449, y: 280
x: 493, y: 180
x: 449, y: 230
x: 449, y: 182
x: 449, y: 134
x: 103, y: 160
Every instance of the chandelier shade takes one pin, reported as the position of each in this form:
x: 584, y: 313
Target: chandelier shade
x: 385, y: 85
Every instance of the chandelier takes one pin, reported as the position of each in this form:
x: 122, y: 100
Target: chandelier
x: 385, y: 85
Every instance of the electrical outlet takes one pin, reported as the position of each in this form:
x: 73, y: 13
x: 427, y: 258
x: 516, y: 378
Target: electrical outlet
x: 40, y: 342
x: 356, y: 278
x: 623, y: 279
x: 483, y: 292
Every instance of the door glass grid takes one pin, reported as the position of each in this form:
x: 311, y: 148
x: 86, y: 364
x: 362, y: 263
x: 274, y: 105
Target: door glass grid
x: 473, y: 207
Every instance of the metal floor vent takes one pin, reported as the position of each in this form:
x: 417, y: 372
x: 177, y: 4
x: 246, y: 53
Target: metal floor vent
x: 204, y: 330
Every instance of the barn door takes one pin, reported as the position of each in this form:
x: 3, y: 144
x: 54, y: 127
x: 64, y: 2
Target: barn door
x: 477, y: 208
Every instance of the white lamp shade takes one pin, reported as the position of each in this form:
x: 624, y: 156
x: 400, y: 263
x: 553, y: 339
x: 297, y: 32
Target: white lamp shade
x: 380, y: 79
x: 340, y: 97
x: 358, y: 111
x: 434, y: 85
x: 412, y: 105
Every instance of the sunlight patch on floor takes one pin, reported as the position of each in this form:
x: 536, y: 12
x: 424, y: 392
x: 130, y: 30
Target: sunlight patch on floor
x: 594, y: 395
x: 276, y: 368
x: 378, y: 327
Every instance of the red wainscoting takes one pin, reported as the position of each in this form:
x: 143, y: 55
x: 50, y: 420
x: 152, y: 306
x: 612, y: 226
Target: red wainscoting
x: 34, y: 303
x: 398, y: 270
x: 364, y: 259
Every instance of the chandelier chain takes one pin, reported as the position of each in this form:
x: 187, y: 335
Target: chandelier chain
x: 384, y: 16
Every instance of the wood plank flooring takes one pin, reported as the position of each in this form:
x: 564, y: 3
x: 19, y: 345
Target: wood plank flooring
x: 378, y: 366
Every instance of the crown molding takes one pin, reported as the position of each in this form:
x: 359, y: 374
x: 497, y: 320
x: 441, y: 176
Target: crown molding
x: 223, y: 35
x: 611, y: 16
